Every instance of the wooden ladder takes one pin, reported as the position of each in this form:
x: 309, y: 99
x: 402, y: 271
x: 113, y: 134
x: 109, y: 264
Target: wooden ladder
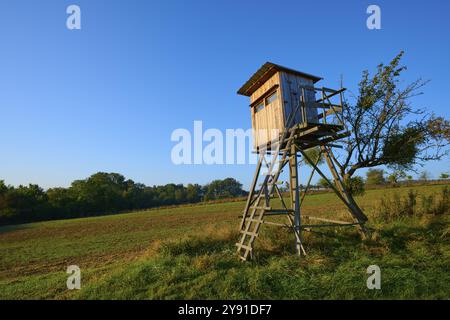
x: 258, y: 205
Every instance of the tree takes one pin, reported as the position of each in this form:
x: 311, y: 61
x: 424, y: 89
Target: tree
x: 355, y: 186
x: 24, y: 203
x: 395, y: 177
x: 444, y: 176
x: 386, y: 129
x: 137, y: 196
x: 381, y: 135
x: 4, y: 206
x: 323, y: 183
x: 63, y: 202
x: 375, y: 177
x: 3, y: 187
x: 220, y: 189
x: 101, y: 192
x: 194, y: 193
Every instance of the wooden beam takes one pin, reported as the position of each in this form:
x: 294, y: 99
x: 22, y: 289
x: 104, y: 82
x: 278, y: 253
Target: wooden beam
x: 326, y: 220
x: 330, y: 95
x: 308, y: 226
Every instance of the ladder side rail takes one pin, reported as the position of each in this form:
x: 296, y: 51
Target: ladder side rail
x: 252, y: 191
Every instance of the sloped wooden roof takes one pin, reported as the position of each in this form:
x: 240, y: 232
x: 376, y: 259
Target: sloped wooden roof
x: 264, y: 73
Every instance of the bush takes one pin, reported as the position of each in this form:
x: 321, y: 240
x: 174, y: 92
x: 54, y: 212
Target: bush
x: 396, y: 206
x: 375, y: 177
x: 355, y: 186
x: 437, y: 205
x: 443, y: 205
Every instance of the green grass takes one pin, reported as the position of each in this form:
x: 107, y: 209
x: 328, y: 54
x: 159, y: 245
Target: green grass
x: 188, y: 252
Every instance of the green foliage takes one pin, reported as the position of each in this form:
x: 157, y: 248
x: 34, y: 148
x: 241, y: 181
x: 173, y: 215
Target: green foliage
x: 355, y: 185
x: 3, y: 187
x: 395, y: 206
x: 399, y: 151
x: 436, y: 205
x: 221, y: 189
x: 387, y: 128
x: 395, y: 177
x: 315, y: 155
x: 102, y: 193
x: 24, y: 202
x: 323, y: 183
x: 375, y: 177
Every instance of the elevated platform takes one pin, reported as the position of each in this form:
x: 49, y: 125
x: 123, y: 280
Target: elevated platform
x: 309, y: 135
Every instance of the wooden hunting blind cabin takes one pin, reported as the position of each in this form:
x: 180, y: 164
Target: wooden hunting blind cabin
x: 289, y: 116
x: 274, y: 92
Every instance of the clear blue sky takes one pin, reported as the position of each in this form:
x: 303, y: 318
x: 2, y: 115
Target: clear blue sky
x: 107, y: 97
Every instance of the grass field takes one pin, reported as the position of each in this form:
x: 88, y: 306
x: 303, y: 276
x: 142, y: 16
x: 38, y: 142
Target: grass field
x: 188, y: 252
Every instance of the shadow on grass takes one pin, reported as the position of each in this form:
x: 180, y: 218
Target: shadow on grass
x: 335, y: 245
x: 196, y: 246
x: 400, y: 233
x: 14, y: 227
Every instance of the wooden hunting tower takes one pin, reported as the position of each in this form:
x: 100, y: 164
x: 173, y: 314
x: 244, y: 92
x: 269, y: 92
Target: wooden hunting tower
x: 274, y: 92
x: 289, y: 116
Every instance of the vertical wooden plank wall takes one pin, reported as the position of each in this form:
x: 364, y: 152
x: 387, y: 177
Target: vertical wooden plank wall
x: 271, y: 117
x: 291, y: 94
x: 274, y: 116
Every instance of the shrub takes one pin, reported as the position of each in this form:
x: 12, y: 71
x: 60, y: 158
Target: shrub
x: 395, y: 206
x: 375, y: 177
x: 410, y: 203
x: 355, y: 185
x: 444, y: 204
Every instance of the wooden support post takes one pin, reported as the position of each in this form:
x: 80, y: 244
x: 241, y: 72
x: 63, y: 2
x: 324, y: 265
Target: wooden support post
x: 356, y: 213
x: 339, y: 189
x: 295, y: 198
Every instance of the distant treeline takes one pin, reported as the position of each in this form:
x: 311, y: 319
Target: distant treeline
x: 103, y: 193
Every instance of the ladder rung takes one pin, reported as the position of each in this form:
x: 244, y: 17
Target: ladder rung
x: 261, y: 208
x: 243, y: 246
x: 255, y: 220
x: 252, y: 220
x: 277, y: 224
x: 271, y: 183
x: 279, y: 212
x: 248, y: 233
